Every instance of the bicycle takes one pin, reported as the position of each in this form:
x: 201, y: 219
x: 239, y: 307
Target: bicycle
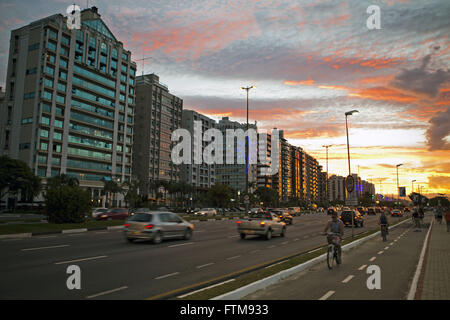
x: 384, y: 231
x: 332, y: 253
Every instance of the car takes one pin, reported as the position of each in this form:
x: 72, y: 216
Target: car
x: 371, y: 211
x: 157, y: 226
x: 98, y: 211
x: 283, y: 215
x: 361, y: 210
x: 206, y: 212
x: 255, y: 210
x: 331, y: 210
x: 261, y: 224
x: 346, y: 218
x: 114, y: 214
x: 378, y: 210
x: 295, y: 211
x: 396, y: 213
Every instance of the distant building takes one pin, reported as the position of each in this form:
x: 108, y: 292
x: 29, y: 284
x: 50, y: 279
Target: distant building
x: 336, y: 188
x: 322, y: 183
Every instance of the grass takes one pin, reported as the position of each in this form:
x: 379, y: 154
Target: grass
x: 20, y: 220
x: 262, y: 273
x: 49, y: 227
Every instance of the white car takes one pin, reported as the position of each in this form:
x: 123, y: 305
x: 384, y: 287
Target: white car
x: 98, y: 211
x: 206, y: 212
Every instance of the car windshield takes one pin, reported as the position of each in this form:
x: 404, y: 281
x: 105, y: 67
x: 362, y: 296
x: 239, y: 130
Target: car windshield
x: 141, y: 217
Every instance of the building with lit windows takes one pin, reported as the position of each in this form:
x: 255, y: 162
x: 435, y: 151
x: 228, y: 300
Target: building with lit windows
x: 70, y: 101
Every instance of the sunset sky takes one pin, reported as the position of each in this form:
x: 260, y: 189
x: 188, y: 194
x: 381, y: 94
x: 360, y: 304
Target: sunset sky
x: 311, y: 61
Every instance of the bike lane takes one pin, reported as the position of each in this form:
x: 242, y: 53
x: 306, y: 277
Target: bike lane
x: 397, y: 259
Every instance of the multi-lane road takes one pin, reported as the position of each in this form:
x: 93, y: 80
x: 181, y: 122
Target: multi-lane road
x: 111, y: 268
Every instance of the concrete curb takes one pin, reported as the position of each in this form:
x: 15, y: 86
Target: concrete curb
x: 68, y: 231
x: 15, y: 235
x: 74, y: 230
x: 263, y: 283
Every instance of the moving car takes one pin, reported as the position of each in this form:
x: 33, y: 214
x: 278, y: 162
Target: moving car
x: 261, y: 224
x: 396, y: 213
x: 361, y: 210
x: 331, y: 210
x: 295, y: 211
x: 283, y: 215
x: 157, y: 226
x: 98, y: 211
x: 371, y: 211
x: 346, y: 217
x: 113, y: 214
x: 206, y: 212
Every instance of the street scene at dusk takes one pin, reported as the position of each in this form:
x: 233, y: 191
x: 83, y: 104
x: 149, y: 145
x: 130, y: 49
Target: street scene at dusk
x: 253, y: 151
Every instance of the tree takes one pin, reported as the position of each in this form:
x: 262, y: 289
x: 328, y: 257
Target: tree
x: 219, y: 194
x: 67, y: 204
x: 110, y: 187
x: 132, y: 196
x: 268, y: 196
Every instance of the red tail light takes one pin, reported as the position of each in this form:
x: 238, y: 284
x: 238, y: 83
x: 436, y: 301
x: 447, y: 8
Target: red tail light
x: 150, y: 226
x: 126, y: 225
x: 262, y: 223
x: 239, y: 222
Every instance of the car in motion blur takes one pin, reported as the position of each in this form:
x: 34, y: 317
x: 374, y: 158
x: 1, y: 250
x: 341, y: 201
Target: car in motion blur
x: 206, y: 212
x: 157, y: 226
x: 346, y: 217
x: 283, y: 214
x: 113, y: 214
x: 396, y: 213
x: 98, y: 211
x: 294, y: 211
x: 261, y: 224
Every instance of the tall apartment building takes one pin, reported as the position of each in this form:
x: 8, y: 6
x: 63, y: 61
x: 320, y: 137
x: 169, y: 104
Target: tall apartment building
x: 322, y: 184
x: 234, y: 175
x: 158, y: 114
x: 264, y: 180
x: 310, y: 178
x: 336, y: 188
x: 298, y: 186
x: 202, y: 176
x: 70, y: 99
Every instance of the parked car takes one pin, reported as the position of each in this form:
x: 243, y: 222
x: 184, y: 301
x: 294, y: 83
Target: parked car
x: 396, y: 213
x: 114, y: 214
x: 283, y: 215
x: 261, y: 224
x: 206, y: 212
x: 157, y: 226
x: 98, y: 211
x: 346, y: 217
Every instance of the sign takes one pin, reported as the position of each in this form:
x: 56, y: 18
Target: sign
x: 350, y: 183
x: 402, y: 191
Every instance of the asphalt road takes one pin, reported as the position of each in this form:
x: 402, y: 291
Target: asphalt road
x: 111, y: 268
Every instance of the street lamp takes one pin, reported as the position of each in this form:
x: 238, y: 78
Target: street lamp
x: 398, y: 190
x: 246, y: 148
x: 326, y: 181
x: 349, y: 113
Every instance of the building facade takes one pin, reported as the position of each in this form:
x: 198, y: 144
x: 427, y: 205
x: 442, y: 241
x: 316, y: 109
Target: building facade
x: 70, y: 101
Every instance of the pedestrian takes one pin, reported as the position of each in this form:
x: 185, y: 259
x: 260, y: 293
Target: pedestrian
x: 447, y: 218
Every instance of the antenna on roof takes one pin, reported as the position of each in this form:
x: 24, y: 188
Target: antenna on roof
x: 143, y: 62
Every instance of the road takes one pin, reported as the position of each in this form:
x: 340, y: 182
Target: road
x: 111, y: 268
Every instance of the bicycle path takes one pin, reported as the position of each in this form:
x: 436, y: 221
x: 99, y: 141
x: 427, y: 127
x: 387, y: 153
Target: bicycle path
x: 397, y: 259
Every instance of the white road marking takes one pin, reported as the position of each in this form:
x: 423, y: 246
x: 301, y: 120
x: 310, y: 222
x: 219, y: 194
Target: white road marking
x: 296, y: 239
x: 286, y: 242
x: 327, y: 295
x: 350, y: 277
x: 380, y: 252
x: 214, y: 285
x: 78, y: 260
x: 372, y: 259
x: 270, y: 247
x: 275, y: 264
x: 51, y: 247
x: 314, y: 250
x: 233, y: 236
x: 46, y: 237
x: 204, y: 265
x: 179, y: 245
x: 77, y: 234
x: 167, y: 275
x: 362, y: 267
x: 391, y: 243
x: 254, y: 251
x: 231, y: 258
x: 106, y: 292
x: 386, y: 248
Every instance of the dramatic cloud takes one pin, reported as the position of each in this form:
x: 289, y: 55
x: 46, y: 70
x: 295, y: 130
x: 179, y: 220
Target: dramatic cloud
x: 439, y: 131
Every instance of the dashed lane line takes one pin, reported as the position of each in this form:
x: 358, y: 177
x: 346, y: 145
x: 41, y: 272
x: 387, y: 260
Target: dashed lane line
x: 106, y: 292
x: 350, y: 277
x: 327, y: 295
x: 362, y: 267
x: 167, y: 275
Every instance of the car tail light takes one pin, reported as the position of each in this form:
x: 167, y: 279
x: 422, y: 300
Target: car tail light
x: 149, y: 226
x: 262, y: 223
x: 126, y: 225
x: 239, y: 222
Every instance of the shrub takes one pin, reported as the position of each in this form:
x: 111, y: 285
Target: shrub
x: 67, y: 204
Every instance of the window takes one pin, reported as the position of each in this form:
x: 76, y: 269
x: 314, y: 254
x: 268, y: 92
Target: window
x: 41, y: 172
x: 62, y: 87
x: 65, y: 40
x: 119, y: 148
x: 47, y: 95
x: 124, y: 56
x: 50, y: 58
x: 27, y: 120
x: 64, y: 52
x: 89, y: 153
x: 63, y: 75
x: 60, y: 99
x: 52, y: 34
x: 59, y: 111
x: 56, y: 161
x: 57, y: 148
x: 48, y: 83
x: 51, y: 46
x: 42, y: 158
x: 24, y: 146
x: 92, y: 120
x: 44, y: 133
x: 45, y: 120
x: 44, y: 146
x: 33, y: 47
x: 58, y: 123
x: 63, y: 63
x: 31, y: 71
x: 29, y: 95
x: 46, y: 108
x: 124, y: 67
x: 57, y: 135
x: 49, y: 70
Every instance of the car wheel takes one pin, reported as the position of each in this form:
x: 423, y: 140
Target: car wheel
x: 269, y: 234
x: 283, y: 232
x: 187, y: 234
x: 158, y: 238
x: 242, y: 235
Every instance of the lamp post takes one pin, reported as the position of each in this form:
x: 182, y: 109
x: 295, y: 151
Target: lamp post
x: 246, y: 148
x: 349, y: 113
x: 398, y: 190
x: 326, y: 180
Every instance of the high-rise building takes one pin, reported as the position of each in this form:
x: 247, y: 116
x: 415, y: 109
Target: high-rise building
x: 296, y: 173
x: 322, y: 184
x: 264, y: 179
x: 310, y: 178
x: 336, y: 188
x: 70, y: 98
x: 234, y: 175
x: 158, y: 114
x: 202, y: 176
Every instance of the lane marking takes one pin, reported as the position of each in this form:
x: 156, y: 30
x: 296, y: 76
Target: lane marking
x: 51, y: 247
x: 254, y: 251
x: 179, y: 245
x: 83, y: 259
x: 270, y: 247
x: 391, y: 243
x: 296, y: 239
x: 46, y: 237
x: 315, y: 250
x: 233, y: 236
x: 350, y: 277
x: 372, y: 259
x: 214, y: 285
x: 380, y: 252
x: 386, y: 248
x: 106, y: 292
x: 231, y: 258
x: 362, y: 267
x: 77, y: 234
x: 204, y: 265
x: 167, y: 275
x: 327, y: 295
x: 275, y: 264
x: 286, y: 242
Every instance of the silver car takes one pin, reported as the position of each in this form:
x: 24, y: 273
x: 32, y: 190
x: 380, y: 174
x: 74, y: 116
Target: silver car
x: 157, y: 226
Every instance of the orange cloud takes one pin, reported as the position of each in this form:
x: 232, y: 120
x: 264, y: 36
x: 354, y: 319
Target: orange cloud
x: 308, y: 82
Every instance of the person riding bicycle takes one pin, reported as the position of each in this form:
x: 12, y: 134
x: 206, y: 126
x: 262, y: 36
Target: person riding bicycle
x: 438, y: 214
x: 336, y: 227
x: 383, y: 220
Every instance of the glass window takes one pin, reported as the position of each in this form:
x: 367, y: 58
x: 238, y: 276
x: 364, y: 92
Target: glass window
x: 56, y: 161
x: 90, y: 165
x: 52, y: 34
x: 49, y: 70
x: 57, y: 135
x: 124, y: 67
x: 51, y: 46
x: 87, y: 107
x: 45, y: 120
x: 63, y: 75
x: 61, y: 99
x: 90, y: 142
x: 44, y: 146
x: 33, y: 47
x: 42, y: 158
x: 46, y: 108
x: 89, y: 96
x: 124, y: 56
x: 41, y: 172
x: 61, y: 87
x: 29, y: 95
x: 94, y: 76
x: 63, y: 63
x: 89, y: 153
x: 48, y: 83
x: 91, y: 131
x: 31, y: 71
x: 44, y: 133
x: 47, y: 95
x: 93, y: 86
x: 59, y: 123
x: 65, y: 40
x: 57, y: 148
x: 27, y: 120
x: 59, y: 111
x: 92, y: 120
x: 64, y: 52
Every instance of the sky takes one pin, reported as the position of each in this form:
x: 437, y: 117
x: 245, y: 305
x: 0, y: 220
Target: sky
x: 311, y: 61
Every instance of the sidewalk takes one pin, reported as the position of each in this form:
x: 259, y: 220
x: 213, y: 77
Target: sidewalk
x: 435, y: 278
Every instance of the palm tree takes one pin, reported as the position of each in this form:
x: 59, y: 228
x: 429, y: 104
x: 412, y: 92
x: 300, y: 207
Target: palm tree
x: 110, y: 187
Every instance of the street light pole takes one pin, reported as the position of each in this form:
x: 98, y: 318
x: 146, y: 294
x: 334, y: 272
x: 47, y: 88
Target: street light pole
x: 398, y: 190
x: 349, y: 113
x: 246, y: 149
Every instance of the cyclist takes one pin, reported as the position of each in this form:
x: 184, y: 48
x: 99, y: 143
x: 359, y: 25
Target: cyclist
x: 416, y: 218
x: 421, y: 215
x: 336, y: 227
x: 383, y: 221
